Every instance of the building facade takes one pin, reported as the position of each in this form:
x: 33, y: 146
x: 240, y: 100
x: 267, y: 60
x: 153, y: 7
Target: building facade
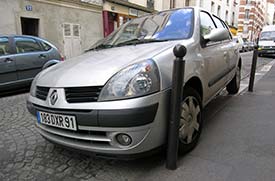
x: 117, y: 12
x: 270, y: 11
x: 252, y: 17
x: 72, y: 25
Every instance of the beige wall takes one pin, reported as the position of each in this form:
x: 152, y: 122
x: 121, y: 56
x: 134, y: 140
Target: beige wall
x: 161, y: 5
x: 51, y: 17
x: 139, y: 2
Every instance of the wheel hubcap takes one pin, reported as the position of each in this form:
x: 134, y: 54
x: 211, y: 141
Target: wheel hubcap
x: 189, y: 125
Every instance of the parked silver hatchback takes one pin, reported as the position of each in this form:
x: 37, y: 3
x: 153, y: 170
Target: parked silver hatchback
x: 115, y: 98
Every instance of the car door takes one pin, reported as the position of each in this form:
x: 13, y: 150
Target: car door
x: 7, y: 62
x: 215, y: 61
x: 30, y: 57
x: 230, y: 50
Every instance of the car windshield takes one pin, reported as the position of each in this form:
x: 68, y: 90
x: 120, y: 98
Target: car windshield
x: 269, y: 35
x: 164, y: 26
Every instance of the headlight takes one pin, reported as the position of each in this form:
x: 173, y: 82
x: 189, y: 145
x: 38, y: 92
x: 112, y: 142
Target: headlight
x: 134, y: 81
x: 33, y: 86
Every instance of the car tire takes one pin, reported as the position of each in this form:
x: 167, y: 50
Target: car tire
x: 234, y: 85
x: 190, y: 121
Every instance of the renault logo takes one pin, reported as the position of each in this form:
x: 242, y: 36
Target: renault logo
x: 53, y: 97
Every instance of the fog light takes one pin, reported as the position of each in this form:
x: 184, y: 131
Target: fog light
x: 124, y: 139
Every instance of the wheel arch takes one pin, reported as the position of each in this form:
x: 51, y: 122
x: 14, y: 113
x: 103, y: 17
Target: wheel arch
x: 195, y: 83
x: 240, y: 63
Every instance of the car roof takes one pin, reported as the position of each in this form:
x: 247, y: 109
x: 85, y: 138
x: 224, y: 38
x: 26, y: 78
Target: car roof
x: 28, y: 36
x: 13, y: 35
x: 269, y: 28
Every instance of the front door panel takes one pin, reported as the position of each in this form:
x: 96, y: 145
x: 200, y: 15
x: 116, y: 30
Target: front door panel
x: 7, y: 69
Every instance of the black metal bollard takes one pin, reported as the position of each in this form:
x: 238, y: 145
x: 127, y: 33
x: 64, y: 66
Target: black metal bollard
x: 176, y: 97
x: 253, y: 69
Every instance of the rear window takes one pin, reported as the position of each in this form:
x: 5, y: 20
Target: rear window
x: 45, y: 46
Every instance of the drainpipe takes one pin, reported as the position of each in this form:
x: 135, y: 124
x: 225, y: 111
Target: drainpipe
x: 172, y: 4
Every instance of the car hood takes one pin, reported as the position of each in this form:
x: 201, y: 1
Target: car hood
x: 95, y: 68
x: 266, y: 43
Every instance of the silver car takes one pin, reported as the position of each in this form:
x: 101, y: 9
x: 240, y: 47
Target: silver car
x: 114, y: 99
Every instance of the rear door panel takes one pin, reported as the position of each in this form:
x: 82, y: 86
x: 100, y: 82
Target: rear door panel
x: 7, y: 62
x: 30, y: 57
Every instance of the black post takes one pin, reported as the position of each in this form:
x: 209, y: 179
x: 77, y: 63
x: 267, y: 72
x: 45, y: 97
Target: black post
x: 253, y: 69
x: 176, y: 97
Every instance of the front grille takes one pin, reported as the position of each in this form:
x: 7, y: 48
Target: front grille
x: 92, y: 138
x: 42, y: 92
x: 82, y: 94
x: 269, y: 47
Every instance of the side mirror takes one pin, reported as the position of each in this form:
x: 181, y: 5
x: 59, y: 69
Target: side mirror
x: 217, y: 34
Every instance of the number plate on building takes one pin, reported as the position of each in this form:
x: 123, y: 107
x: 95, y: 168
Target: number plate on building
x: 57, y: 120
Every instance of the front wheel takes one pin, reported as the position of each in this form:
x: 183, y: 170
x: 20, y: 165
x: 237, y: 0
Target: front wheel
x: 234, y: 85
x: 190, y: 121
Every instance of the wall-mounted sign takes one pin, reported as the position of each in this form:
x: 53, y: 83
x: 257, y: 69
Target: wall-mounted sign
x: 28, y: 7
x: 133, y: 12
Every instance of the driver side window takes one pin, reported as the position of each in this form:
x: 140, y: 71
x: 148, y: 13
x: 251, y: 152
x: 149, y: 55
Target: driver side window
x: 206, y: 23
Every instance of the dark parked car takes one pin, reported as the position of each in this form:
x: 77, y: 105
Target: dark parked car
x: 22, y: 58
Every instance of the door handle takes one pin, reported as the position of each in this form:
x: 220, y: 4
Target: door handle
x: 42, y: 56
x: 8, y: 60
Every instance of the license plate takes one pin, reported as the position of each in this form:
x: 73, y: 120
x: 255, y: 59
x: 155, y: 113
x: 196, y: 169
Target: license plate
x: 57, y: 120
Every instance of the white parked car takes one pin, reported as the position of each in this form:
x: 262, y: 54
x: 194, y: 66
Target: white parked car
x: 267, y: 41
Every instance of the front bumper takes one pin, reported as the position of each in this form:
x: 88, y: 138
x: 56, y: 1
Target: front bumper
x: 144, y: 119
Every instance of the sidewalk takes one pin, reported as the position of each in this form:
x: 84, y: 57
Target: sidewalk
x: 238, y: 140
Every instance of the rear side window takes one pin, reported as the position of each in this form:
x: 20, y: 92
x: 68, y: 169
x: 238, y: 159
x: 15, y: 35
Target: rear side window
x: 4, y: 46
x: 25, y: 45
x: 45, y: 46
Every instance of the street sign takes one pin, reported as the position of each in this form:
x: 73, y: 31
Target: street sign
x: 28, y: 7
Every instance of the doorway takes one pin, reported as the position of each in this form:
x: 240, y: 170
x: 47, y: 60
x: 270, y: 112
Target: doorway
x: 30, y: 26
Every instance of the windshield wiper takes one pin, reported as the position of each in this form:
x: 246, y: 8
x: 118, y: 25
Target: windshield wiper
x: 135, y: 41
x: 101, y: 46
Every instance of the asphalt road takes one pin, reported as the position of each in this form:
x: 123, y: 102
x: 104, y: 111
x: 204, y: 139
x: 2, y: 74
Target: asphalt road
x: 25, y: 155
x: 247, y: 60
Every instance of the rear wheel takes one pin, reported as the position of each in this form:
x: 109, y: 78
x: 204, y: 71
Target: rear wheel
x: 234, y: 85
x: 191, y: 121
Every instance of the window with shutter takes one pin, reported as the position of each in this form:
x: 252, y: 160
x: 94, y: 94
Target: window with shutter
x: 67, y: 29
x: 76, y: 32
